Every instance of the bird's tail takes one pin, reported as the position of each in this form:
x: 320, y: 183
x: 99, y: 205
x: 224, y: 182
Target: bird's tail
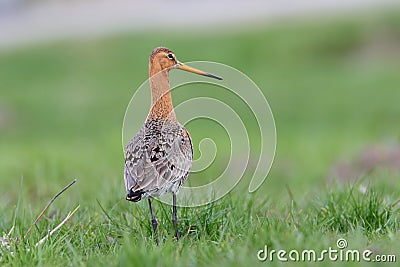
x: 134, y: 196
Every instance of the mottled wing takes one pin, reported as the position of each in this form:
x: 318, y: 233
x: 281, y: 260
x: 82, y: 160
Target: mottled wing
x: 157, y: 160
x: 175, y: 166
x: 134, y: 168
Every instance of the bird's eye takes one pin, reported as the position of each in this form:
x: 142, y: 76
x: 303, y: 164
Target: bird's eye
x: 170, y: 56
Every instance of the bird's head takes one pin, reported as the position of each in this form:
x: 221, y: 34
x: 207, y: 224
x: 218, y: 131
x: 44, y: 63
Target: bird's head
x: 164, y: 59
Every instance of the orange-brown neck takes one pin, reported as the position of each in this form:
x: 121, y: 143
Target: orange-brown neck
x: 161, y: 100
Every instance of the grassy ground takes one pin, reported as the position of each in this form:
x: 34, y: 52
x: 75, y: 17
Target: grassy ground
x: 333, y: 88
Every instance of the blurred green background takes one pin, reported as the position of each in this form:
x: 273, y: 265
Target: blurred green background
x: 332, y: 84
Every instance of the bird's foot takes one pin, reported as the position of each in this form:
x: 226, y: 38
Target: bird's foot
x: 175, y: 224
x: 155, y: 224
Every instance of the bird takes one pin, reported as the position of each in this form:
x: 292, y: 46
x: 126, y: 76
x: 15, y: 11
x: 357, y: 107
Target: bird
x: 159, y: 157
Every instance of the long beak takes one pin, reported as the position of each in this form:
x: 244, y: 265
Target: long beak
x: 184, y: 67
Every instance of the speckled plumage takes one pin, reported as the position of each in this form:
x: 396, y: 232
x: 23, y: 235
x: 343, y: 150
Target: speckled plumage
x: 157, y: 160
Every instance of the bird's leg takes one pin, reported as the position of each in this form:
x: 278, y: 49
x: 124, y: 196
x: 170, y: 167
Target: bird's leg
x: 174, y: 217
x: 153, y: 222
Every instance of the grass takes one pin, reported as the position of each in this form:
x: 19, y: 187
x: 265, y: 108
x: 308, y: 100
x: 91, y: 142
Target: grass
x: 344, y: 211
x: 226, y: 232
x: 333, y: 91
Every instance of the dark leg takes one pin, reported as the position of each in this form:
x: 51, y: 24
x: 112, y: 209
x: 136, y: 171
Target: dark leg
x: 174, y: 217
x: 153, y: 222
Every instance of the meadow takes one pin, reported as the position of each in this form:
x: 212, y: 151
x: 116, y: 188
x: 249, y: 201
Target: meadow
x: 333, y: 87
